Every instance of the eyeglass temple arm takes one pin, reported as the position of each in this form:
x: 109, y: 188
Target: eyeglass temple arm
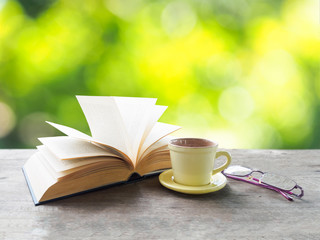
x: 261, y: 185
x: 282, y: 193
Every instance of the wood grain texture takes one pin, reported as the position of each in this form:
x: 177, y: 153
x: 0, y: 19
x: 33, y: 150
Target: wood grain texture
x: 146, y: 210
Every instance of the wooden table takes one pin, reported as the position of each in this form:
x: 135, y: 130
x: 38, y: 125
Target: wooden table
x: 146, y: 210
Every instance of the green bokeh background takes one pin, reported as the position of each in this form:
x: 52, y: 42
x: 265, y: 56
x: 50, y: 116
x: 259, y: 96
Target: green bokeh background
x: 244, y: 73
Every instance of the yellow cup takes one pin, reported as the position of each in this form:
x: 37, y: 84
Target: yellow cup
x: 192, y: 160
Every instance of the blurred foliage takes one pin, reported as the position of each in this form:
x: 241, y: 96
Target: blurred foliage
x: 244, y: 73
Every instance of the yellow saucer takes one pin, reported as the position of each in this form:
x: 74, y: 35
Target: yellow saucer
x: 218, y: 181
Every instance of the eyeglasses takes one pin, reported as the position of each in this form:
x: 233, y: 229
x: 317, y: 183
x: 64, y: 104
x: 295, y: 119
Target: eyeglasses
x: 281, y: 184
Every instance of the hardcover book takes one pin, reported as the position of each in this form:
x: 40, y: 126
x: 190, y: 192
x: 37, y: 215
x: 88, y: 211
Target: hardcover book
x: 127, y: 143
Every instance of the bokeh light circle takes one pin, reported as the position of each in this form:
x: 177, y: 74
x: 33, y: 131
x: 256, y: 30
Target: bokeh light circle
x: 7, y: 119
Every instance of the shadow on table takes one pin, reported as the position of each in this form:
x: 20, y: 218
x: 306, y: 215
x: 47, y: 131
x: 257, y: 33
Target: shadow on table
x: 133, y: 194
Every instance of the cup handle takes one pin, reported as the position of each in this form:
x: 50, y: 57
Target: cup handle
x: 225, y: 165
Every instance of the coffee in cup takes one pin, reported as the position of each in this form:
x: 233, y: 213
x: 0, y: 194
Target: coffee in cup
x: 192, y: 160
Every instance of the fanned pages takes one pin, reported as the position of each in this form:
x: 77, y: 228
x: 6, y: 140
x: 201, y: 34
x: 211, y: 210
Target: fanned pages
x: 126, y: 139
x: 69, y: 148
x: 105, y: 121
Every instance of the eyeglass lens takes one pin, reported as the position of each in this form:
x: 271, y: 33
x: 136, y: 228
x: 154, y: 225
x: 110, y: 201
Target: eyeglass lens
x: 278, y: 181
x: 237, y: 170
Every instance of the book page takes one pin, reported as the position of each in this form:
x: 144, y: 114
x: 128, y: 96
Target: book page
x: 64, y: 165
x: 65, y: 147
x: 161, y: 144
x: 154, y: 116
x: 40, y: 179
x: 70, y: 131
x: 155, y: 158
x: 105, y: 122
x: 157, y: 152
x: 159, y: 131
x: 135, y: 113
x: 53, y: 173
x: 46, y: 186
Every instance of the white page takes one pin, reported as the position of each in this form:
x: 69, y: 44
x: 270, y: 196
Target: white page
x: 159, y: 131
x: 105, y: 121
x: 38, y: 175
x: 135, y: 113
x: 53, y: 173
x: 65, y: 147
x: 157, y: 145
x: 156, y: 113
x: 70, y: 131
x: 62, y: 165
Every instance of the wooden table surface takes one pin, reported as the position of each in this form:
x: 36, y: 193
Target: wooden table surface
x: 146, y: 210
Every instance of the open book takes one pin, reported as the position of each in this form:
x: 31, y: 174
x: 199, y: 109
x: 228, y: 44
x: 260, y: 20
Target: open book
x: 126, y: 140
